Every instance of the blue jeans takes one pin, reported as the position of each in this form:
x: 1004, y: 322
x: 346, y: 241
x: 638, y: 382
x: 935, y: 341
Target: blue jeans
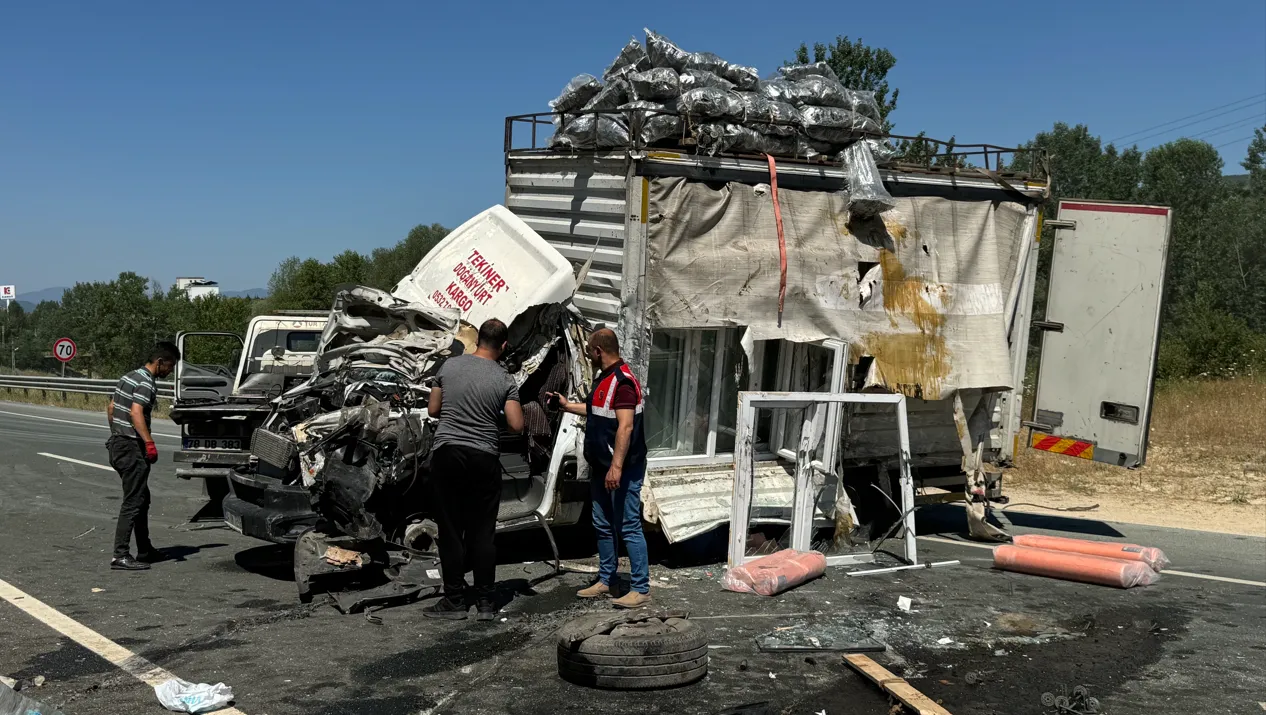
x: 621, y: 509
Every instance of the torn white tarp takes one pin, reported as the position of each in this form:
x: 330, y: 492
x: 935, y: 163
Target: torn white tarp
x: 924, y: 288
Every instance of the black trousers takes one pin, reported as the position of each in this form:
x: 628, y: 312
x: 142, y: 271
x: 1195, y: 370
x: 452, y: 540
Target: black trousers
x: 466, y: 484
x: 127, y: 456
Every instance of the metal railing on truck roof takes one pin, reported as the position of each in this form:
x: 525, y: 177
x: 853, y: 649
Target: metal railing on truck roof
x: 921, y: 152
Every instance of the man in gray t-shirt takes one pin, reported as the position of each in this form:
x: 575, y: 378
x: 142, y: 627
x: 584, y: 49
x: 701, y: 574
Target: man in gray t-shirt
x: 470, y: 396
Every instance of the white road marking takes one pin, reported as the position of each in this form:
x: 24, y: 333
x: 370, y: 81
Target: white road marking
x: 81, y: 424
x: 1168, y: 572
x: 1207, y: 577
x: 121, y: 657
x: 94, y: 465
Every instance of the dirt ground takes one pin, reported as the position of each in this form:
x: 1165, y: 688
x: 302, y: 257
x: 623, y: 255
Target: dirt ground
x: 1206, y: 465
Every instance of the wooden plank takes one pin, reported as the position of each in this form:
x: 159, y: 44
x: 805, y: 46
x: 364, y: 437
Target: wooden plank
x: 897, y: 687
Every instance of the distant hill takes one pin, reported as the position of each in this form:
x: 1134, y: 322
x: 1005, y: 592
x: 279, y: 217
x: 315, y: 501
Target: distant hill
x: 29, y: 299
x: 248, y: 293
x: 1238, y: 181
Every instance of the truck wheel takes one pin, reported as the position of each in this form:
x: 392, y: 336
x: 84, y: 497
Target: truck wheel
x: 642, y: 653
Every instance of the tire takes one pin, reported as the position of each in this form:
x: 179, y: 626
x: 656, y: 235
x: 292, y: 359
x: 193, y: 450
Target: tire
x: 650, y: 682
x: 588, y: 659
x: 644, y: 654
x: 633, y: 670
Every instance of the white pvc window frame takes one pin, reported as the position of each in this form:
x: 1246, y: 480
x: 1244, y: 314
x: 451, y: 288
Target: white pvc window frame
x: 689, y: 394
x: 803, y: 500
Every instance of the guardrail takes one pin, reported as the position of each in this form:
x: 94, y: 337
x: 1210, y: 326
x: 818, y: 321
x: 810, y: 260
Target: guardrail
x: 82, y: 385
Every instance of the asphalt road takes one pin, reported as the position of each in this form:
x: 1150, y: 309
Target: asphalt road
x: 225, y: 610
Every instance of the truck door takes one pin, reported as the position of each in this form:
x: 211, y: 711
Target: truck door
x: 1098, y: 357
x: 208, y: 365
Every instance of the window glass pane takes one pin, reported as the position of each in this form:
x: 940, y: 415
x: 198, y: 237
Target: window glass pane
x: 703, y: 366
x: 810, y: 372
x: 668, y: 352
x: 734, y: 377
x: 769, y: 383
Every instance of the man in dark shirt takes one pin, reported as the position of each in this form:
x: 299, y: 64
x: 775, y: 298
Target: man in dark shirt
x: 615, y: 448
x: 469, y: 397
x: 132, y: 450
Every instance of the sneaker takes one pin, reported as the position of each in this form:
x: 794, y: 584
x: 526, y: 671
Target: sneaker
x: 127, y: 563
x: 632, y: 599
x: 598, y: 590
x: 485, y: 609
x: 151, y: 556
x: 447, y: 608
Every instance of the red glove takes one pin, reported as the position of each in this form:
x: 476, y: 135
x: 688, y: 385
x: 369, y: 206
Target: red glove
x: 151, y: 452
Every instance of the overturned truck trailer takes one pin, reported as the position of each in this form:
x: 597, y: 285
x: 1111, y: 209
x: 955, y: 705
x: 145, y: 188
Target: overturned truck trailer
x: 685, y: 258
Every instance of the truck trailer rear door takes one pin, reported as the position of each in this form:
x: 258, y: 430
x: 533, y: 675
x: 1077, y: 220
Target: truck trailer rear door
x: 1098, y: 357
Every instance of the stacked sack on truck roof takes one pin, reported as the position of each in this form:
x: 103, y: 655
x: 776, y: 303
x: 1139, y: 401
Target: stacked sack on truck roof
x: 662, y: 95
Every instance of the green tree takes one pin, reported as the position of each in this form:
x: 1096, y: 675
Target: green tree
x: 859, y: 66
x: 388, y: 265
x: 1255, y: 163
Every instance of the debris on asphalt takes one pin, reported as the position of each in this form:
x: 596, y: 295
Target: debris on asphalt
x: 944, y: 641
x: 894, y: 686
x: 839, y: 636
x: 773, y: 574
x: 7, y: 681
x: 14, y: 703
x: 84, y: 534
x: 181, y: 696
x: 338, y: 556
x: 904, y: 603
x: 97, y: 590
x: 1070, y: 566
x: 1079, y: 702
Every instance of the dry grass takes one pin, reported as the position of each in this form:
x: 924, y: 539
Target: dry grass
x: 1206, y: 446
x: 89, y: 403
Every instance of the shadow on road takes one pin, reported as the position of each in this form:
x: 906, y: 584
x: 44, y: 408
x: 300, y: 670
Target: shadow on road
x: 180, y: 552
x: 952, y: 519
x: 275, y: 561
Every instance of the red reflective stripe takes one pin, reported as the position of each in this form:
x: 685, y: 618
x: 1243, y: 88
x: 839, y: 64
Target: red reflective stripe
x: 1118, y: 209
x: 1047, y: 443
x: 1077, y: 449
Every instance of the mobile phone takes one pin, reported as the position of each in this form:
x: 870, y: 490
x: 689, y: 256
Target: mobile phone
x: 555, y: 401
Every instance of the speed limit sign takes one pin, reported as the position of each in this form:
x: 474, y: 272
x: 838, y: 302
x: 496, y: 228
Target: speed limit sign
x: 64, y: 349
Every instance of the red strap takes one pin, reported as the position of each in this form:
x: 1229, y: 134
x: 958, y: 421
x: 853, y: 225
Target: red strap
x: 782, y: 240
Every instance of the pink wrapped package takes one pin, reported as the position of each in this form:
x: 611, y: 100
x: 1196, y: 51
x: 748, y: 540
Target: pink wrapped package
x: 775, y: 573
x: 1149, y: 555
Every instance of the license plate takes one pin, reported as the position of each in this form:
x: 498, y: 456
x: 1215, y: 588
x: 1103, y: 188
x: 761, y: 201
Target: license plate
x: 212, y: 443
x: 234, y: 521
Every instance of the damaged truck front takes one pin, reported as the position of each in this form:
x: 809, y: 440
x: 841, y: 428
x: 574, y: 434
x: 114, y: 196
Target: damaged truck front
x: 348, y: 449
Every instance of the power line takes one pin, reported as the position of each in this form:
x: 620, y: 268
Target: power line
x: 1189, y: 116
x: 1214, y: 131
x: 1234, y: 141
x: 1193, y: 123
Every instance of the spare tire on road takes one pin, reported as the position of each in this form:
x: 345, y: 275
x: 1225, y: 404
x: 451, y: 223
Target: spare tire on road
x: 632, y: 651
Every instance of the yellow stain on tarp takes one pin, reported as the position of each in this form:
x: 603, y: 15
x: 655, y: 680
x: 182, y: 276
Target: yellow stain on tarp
x: 914, y: 364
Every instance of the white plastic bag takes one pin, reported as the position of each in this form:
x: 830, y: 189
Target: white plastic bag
x: 181, y: 696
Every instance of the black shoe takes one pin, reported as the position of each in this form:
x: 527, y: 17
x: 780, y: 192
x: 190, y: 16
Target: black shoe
x: 447, y: 609
x: 151, y: 556
x: 485, y: 610
x: 127, y: 563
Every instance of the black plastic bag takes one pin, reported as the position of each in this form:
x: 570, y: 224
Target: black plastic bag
x: 795, y: 72
x: 663, y: 53
x: 769, y: 117
x: 712, y: 103
x: 632, y: 58
x: 692, y: 79
x: 615, y: 93
x: 835, y: 125
x: 590, y: 131
x: 657, y: 122
x: 740, y: 76
x: 655, y: 85
x: 576, y: 94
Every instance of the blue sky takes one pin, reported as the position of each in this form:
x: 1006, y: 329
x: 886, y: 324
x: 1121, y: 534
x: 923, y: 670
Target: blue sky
x: 217, y: 138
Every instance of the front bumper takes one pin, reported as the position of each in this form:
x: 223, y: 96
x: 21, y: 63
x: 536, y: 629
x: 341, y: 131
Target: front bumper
x: 266, y: 509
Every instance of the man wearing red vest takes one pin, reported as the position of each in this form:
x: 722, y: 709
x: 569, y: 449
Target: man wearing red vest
x: 615, y: 448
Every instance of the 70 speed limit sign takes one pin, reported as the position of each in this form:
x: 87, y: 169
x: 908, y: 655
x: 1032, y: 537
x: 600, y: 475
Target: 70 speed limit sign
x: 64, y: 349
